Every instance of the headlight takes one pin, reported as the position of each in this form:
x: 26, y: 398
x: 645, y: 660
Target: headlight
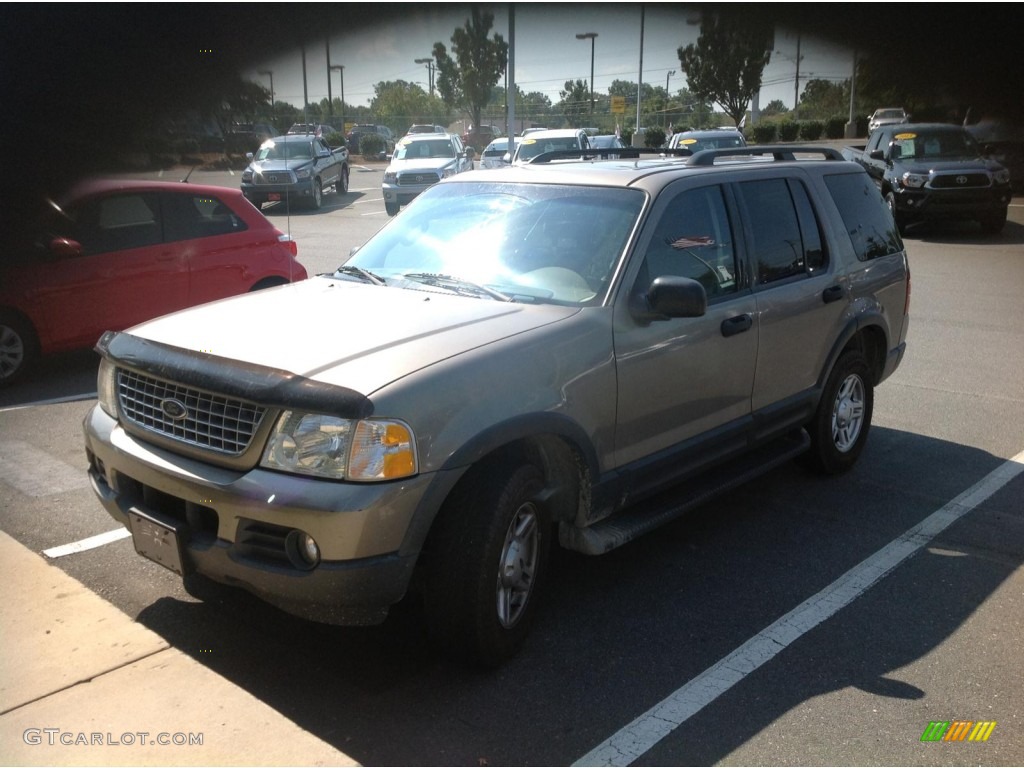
x: 390, y: 177
x: 448, y: 172
x: 106, y: 387
x: 303, y: 173
x: 341, y: 449
x: 914, y: 180
x: 1002, y: 176
x: 247, y: 175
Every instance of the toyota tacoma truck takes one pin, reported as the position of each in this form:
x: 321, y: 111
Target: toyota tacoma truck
x: 566, y: 353
x: 295, y: 168
x: 929, y: 171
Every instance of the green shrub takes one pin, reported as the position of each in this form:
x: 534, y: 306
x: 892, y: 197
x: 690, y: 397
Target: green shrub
x: 764, y: 133
x: 789, y: 130
x: 811, y: 130
x: 654, y: 137
x: 335, y: 139
x: 835, y: 128
x: 371, y: 144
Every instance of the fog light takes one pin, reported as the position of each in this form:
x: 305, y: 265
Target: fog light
x: 302, y: 549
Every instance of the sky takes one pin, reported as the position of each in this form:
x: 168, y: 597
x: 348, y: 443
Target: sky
x: 547, y: 52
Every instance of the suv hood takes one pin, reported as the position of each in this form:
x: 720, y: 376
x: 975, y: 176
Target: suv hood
x: 265, y: 166
x: 421, y: 163
x: 959, y: 164
x: 345, y: 333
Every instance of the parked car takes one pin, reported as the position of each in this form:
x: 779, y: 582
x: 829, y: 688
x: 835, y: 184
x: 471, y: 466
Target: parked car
x: 696, y: 141
x: 1004, y: 143
x: 887, y: 116
x: 247, y: 137
x: 294, y: 168
x: 539, y: 142
x: 421, y: 160
x: 606, y: 141
x: 114, y: 253
x: 426, y: 128
x: 497, y: 154
x: 310, y: 129
x: 543, y: 359
x: 387, y: 138
x: 479, y: 136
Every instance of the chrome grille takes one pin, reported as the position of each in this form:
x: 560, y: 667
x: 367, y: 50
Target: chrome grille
x: 417, y: 179
x: 960, y: 181
x: 210, y: 421
x: 274, y: 177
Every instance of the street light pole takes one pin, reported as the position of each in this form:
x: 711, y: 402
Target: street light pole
x: 667, y: 76
x: 591, y: 36
x: 341, y: 72
x: 430, y: 72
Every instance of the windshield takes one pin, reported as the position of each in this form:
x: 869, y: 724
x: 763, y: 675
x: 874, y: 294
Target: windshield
x: 530, y: 148
x: 889, y: 113
x: 412, y: 150
x: 536, y: 243
x: 923, y: 146
x: 285, y: 150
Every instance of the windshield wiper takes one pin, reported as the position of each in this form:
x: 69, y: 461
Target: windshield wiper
x: 455, y: 284
x: 361, y: 273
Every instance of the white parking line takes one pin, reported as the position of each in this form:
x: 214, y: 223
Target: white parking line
x: 90, y: 543
x: 658, y: 722
x: 36, y: 473
x: 51, y: 401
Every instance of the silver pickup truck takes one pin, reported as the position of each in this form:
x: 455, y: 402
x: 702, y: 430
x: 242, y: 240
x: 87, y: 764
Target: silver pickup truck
x: 295, y: 168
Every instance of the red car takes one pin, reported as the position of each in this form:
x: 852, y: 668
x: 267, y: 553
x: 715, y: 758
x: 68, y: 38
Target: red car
x: 116, y: 253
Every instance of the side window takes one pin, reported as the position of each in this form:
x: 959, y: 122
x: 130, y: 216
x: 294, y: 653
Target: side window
x: 866, y: 217
x: 778, y: 245
x: 694, y: 239
x: 192, y: 216
x: 118, y: 222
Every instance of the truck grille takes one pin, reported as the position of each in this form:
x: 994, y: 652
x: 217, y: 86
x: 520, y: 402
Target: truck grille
x: 960, y: 181
x: 417, y: 179
x: 274, y: 177
x: 214, y: 422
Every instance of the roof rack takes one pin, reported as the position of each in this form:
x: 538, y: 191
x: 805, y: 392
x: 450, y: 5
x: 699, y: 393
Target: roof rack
x: 778, y: 153
x: 613, y: 153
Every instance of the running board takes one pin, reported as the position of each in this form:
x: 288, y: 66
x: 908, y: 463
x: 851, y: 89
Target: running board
x: 631, y: 522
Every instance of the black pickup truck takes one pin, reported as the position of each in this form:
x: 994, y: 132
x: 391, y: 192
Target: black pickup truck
x: 295, y: 168
x: 935, y: 171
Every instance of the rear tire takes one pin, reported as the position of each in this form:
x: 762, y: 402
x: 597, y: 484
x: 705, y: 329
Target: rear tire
x: 19, y: 347
x: 840, y: 426
x: 317, y: 195
x: 484, y: 562
x: 341, y: 186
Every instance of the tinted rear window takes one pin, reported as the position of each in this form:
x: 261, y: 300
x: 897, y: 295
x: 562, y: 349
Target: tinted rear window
x: 867, y: 218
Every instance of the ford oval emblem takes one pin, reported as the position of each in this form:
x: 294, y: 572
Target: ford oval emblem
x: 173, y: 409
x: 961, y: 179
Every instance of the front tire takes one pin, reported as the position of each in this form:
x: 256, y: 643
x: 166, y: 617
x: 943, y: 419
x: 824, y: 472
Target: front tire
x: 994, y: 223
x: 899, y: 218
x: 485, y: 561
x: 840, y: 426
x: 391, y: 208
x: 18, y: 348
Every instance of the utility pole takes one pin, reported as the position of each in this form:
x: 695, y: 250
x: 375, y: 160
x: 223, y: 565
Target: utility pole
x: 591, y: 36
x: 341, y: 71
x: 668, y: 74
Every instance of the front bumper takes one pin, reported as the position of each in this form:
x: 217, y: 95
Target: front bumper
x: 234, y: 526
x: 952, y: 204
x: 403, y: 194
x: 262, y: 192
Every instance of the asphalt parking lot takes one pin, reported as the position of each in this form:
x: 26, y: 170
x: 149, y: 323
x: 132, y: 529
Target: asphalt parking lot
x: 795, y: 621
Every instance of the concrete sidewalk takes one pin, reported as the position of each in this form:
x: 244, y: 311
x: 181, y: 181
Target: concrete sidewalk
x: 83, y: 684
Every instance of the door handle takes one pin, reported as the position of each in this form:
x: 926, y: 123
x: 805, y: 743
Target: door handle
x: 832, y: 293
x: 737, y: 324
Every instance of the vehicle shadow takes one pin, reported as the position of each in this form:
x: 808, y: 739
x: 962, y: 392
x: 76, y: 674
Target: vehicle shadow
x: 331, y: 202
x: 964, y: 232
x: 619, y: 633
x: 65, y: 375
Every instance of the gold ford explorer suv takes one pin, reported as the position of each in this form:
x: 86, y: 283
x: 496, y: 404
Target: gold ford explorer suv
x: 524, y: 358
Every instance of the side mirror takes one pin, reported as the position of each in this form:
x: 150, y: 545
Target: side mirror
x: 64, y: 248
x: 670, y: 296
x: 249, y: 156
x: 506, y: 158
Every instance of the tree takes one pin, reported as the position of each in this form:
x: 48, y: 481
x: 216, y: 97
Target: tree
x: 479, y: 63
x: 398, y: 104
x: 774, y: 107
x: 575, y: 103
x: 823, y: 99
x: 728, y: 60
